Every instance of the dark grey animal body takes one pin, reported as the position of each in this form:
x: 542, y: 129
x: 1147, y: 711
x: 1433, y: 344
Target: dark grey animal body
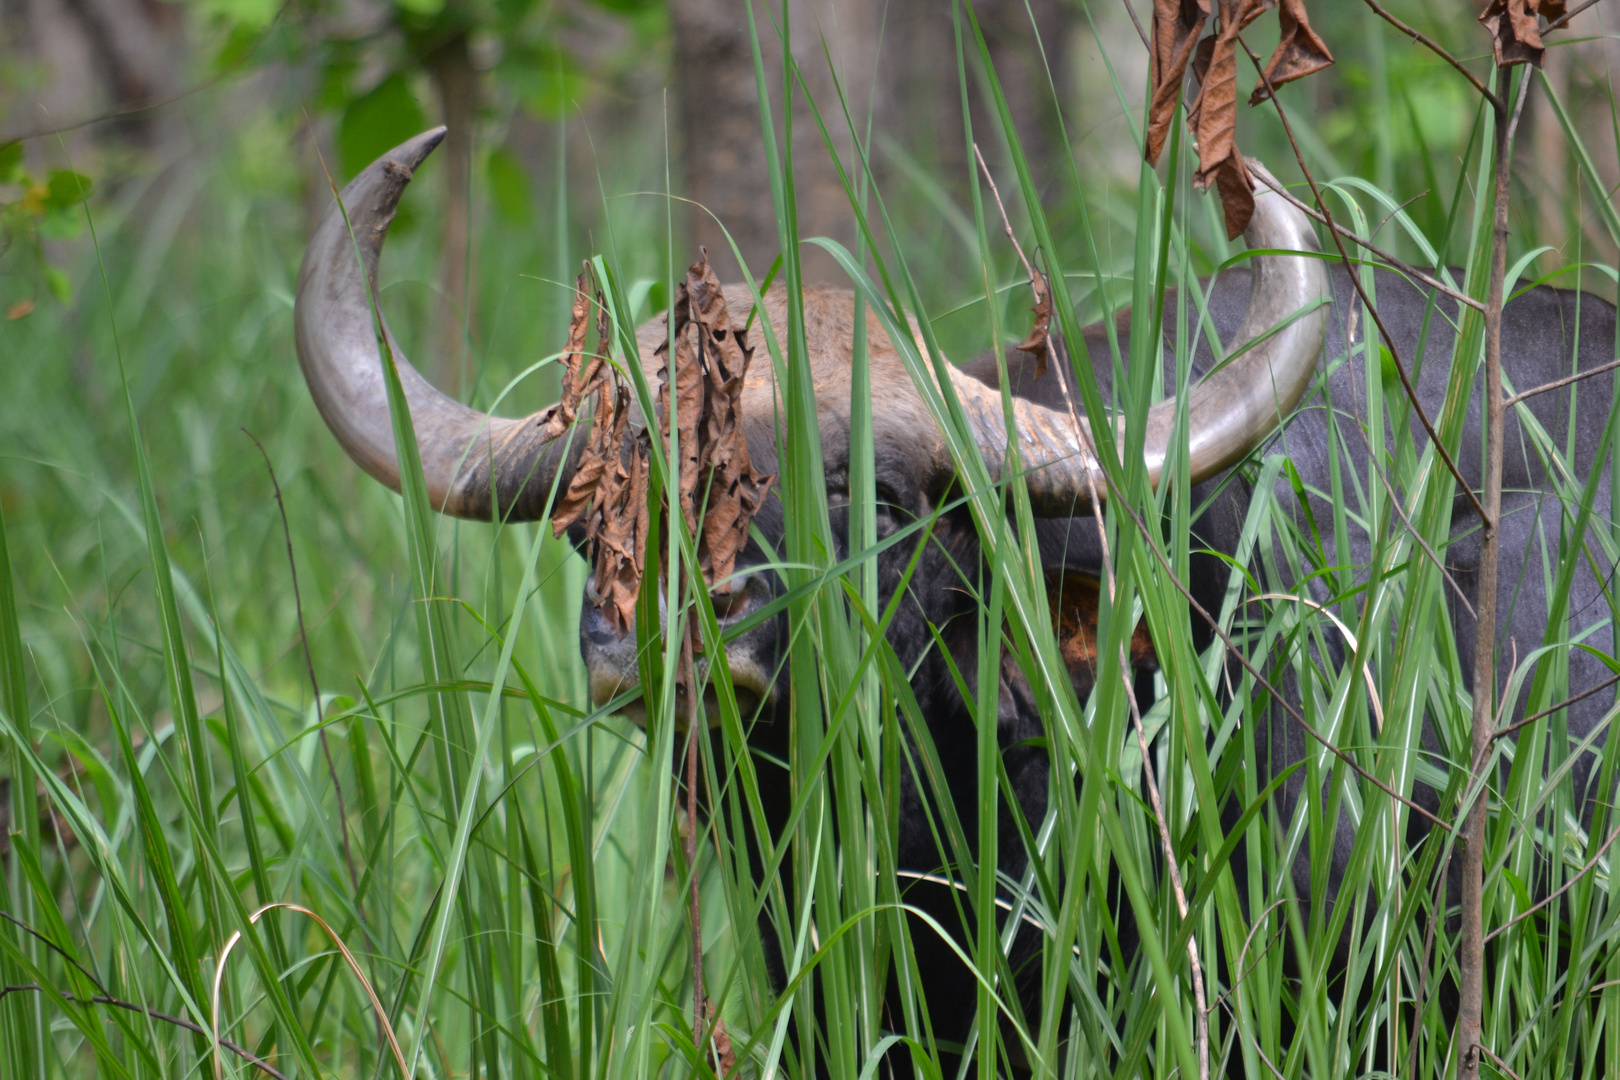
x: 1548, y: 334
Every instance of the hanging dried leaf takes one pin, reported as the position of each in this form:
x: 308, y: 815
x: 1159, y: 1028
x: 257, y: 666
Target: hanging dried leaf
x: 1299, y: 53
x: 1202, y: 57
x: 579, y: 372
x: 1553, y: 9
x: 1515, y: 35
x: 689, y: 400
x: 1213, y: 116
x: 723, y: 1058
x: 608, y: 490
x: 720, y: 492
x: 582, y: 376
x: 734, y: 490
x: 1176, y: 24
x: 618, y: 525
x: 1039, y: 342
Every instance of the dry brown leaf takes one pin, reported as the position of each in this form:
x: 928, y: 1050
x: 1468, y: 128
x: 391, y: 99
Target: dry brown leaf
x: 618, y: 526
x: 1202, y: 56
x: 1299, y: 53
x: 1515, y: 35
x: 583, y: 376
x: 720, y: 492
x: 1236, y: 185
x: 613, y: 482
x: 578, y: 372
x: 592, y: 465
x: 727, y: 1062
x: 736, y: 490
x: 1176, y: 24
x: 1039, y: 342
x: 608, y: 491
x: 1213, y: 116
x: 1553, y: 9
x: 689, y: 401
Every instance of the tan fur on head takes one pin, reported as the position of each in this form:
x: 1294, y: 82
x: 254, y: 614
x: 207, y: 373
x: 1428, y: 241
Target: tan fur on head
x: 829, y: 333
x: 1076, y: 601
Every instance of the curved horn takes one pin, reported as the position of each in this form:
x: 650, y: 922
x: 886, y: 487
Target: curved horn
x: 337, y: 347
x: 1228, y: 414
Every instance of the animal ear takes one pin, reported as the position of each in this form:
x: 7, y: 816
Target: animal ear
x: 1076, y: 602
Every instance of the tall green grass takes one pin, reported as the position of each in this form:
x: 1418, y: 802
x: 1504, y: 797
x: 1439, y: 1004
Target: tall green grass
x: 507, y: 866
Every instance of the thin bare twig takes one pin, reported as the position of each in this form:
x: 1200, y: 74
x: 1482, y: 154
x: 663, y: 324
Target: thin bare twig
x: 1355, y: 282
x: 1245, y: 972
x: 1549, y: 710
x: 1471, y: 950
x: 1404, y: 267
x: 1579, y: 874
x: 178, y: 1021
x: 1062, y: 363
x: 315, y: 689
x: 1006, y: 222
x: 54, y: 947
x: 1563, y: 20
x: 1247, y: 1036
x: 1498, y: 1062
x: 1395, y: 501
x: 1387, y: 218
x: 1556, y: 383
x: 1434, y: 46
x: 1141, y: 33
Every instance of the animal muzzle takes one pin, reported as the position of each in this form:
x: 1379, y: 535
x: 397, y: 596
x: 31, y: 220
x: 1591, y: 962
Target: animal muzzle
x: 613, y: 660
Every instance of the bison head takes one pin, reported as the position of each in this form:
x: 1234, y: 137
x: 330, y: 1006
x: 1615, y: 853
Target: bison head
x: 476, y: 465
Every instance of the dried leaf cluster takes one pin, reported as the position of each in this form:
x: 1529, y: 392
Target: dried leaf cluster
x: 608, y: 491
x: 719, y: 491
x: 1212, y: 116
x: 1515, y: 34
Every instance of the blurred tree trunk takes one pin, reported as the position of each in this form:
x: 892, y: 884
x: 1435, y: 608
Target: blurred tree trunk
x: 721, y: 137
x: 106, y: 56
x: 896, y: 56
x: 456, y: 81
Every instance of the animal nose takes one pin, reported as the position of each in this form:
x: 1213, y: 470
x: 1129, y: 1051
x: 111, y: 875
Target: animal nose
x: 594, y: 625
x: 733, y: 602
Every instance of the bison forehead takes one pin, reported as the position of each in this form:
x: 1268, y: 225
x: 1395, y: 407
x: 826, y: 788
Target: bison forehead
x: 898, y: 412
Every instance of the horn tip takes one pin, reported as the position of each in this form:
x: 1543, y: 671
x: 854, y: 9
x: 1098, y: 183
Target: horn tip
x: 413, y: 152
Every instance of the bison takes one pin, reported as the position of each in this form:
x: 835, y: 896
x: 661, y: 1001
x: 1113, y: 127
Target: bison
x: 476, y: 466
